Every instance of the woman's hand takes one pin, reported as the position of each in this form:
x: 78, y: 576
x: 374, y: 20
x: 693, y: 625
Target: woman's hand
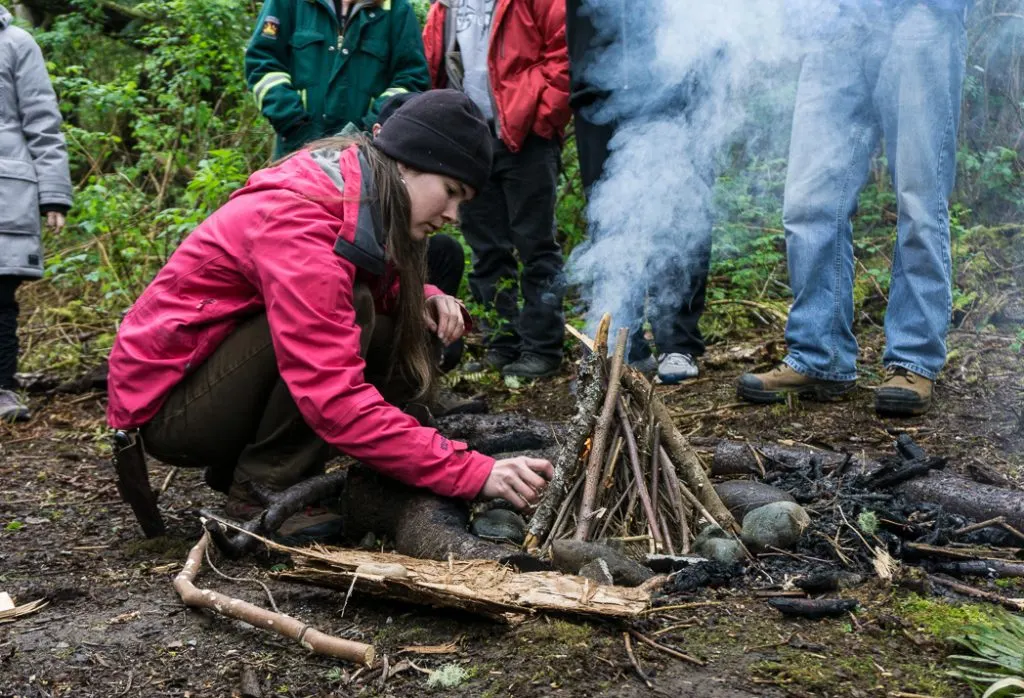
x: 55, y: 221
x: 444, y: 318
x: 519, y: 480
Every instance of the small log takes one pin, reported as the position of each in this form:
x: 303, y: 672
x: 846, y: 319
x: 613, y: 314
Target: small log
x: 590, y: 391
x: 978, y: 568
x: 682, y: 456
x: 813, y: 608
x: 597, y: 449
x: 972, y: 500
x: 741, y: 458
x: 310, y: 638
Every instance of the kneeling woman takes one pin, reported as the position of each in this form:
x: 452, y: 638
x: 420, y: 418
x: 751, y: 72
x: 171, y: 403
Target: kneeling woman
x: 279, y: 329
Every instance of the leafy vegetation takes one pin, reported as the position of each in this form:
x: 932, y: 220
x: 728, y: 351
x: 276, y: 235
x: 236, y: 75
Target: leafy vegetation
x: 995, y: 667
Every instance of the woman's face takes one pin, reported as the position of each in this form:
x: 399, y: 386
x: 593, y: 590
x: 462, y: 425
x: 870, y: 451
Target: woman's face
x: 434, y: 198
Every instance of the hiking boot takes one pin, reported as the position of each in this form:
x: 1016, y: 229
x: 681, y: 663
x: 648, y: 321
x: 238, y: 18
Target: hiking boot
x: 903, y: 393
x: 647, y: 366
x: 314, y: 524
x: 774, y: 385
x: 531, y: 365
x: 492, y: 361
x: 449, y: 402
x: 11, y: 408
x: 675, y: 368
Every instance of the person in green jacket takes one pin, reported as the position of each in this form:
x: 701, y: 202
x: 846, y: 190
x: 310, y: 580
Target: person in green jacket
x: 315, y: 66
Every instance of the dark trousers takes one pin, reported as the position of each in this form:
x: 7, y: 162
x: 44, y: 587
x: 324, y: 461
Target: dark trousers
x: 235, y: 416
x: 8, y: 330
x: 675, y: 300
x: 514, y: 216
x: 446, y: 262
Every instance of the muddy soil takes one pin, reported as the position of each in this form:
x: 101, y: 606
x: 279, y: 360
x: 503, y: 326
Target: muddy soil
x: 113, y: 625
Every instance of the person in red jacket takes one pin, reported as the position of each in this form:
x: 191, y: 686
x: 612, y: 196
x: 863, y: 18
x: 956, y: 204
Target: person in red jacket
x: 510, y: 58
x: 278, y: 329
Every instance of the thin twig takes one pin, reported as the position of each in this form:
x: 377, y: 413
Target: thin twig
x: 667, y: 650
x: 632, y: 660
x: 241, y: 580
x: 597, y: 450
x: 641, y: 486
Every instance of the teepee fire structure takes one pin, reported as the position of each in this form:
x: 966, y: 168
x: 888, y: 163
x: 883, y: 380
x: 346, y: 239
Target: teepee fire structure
x: 624, y: 471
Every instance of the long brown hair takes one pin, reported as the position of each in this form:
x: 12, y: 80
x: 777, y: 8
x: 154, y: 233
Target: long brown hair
x: 411, y: 348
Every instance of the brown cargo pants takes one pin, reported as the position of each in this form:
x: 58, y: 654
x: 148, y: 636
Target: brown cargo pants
x: 234, y: 414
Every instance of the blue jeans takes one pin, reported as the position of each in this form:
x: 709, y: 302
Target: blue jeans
x: 896, y: 76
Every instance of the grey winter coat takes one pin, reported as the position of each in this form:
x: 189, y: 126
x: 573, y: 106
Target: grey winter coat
x: 33, y: 157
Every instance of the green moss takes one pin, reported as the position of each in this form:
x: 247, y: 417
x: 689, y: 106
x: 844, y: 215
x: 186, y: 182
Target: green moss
x: 808, y: 672
x: 940, y: 618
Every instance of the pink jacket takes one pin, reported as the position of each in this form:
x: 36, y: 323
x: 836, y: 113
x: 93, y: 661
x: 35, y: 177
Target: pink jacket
x: 290, y: 244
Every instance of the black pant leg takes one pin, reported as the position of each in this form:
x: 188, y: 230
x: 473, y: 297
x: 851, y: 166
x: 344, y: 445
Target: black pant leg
x: 494, y: 278
x: 677, y: 301
x: 445, y: 263
x: 591, y: 148
x: 531, y: 192
x: 8, y: 330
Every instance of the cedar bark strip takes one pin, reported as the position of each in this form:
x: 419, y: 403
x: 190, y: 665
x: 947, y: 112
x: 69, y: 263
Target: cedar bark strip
x: 597, y: 450
x: 590, y: 393
x: 309, y: 637
x: 679, y: 450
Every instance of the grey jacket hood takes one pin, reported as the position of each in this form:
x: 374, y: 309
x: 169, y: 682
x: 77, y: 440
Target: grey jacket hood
x: 5, y: 17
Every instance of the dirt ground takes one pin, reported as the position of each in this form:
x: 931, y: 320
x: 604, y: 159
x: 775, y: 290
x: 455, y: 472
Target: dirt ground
x: 114, y: 626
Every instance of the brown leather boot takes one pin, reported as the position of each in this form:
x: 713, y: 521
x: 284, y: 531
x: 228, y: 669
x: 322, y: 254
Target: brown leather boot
x: 774, y: 385
x: 903, y: 393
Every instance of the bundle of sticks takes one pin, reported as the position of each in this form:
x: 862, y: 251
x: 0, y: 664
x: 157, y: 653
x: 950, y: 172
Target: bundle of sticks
x: 624, y: 472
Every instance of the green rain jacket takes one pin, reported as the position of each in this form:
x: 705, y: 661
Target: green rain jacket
x: 312, y: 74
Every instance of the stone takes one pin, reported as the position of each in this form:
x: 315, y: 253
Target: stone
x: 715, y: 544
x: 741, y: 497
x: 597, y: 571
x: 777, y: 525
x: 570, y: 556
x: 499, y: 524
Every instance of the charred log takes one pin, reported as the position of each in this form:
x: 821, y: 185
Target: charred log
x: 813, y: 608
x: 966, y: 498
x: 497, y: 433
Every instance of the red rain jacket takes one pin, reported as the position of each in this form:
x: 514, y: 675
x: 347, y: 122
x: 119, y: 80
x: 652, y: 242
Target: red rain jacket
x: 528, y: 65
x: 291, y: 245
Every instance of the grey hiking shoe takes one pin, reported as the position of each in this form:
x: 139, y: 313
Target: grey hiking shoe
x: 531, y: 365
x: 774, y: 385
x: 11, y: 408
x: 675, y: 368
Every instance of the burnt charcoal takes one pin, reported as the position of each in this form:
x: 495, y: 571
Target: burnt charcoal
x: 813, y: 608
x: 704, y: 574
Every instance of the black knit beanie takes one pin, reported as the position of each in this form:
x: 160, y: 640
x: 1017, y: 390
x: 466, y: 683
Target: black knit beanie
x: 443, y: 132
x: 391, y: 106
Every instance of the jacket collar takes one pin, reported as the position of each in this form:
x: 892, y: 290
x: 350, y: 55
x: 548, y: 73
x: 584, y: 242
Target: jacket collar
x: 5, y: 17
x: 365, y: 247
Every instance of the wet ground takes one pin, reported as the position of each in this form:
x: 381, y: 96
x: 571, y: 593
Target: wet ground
x: 114, y: 626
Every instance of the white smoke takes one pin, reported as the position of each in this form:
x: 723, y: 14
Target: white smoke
x: 657, y: 185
